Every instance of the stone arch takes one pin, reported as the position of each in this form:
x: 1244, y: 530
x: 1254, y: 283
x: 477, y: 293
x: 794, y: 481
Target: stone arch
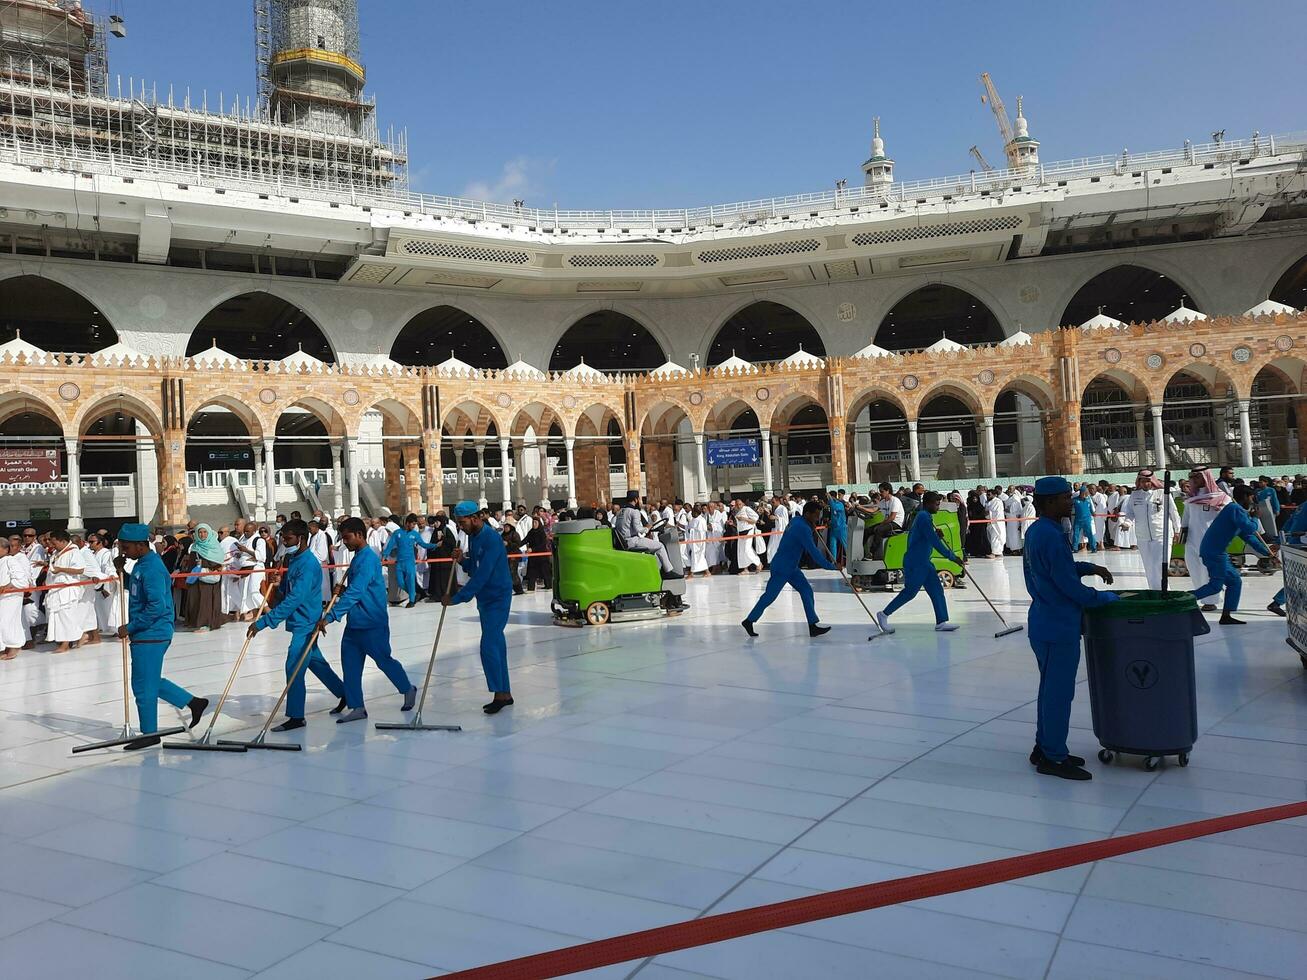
x: 1133, y: 292
x: 435, y: 333
x: 470, y: 305
x: 919, y: 315
x: 119, y: 399
x: 536, y: 414
x: 17, y: 399
x: 726, y: 410
x: 52, y: 315
x: 884, y: 433
x: 263, y: 324
x: 600, y: 326
x: 955, y: 388
x: 480, y: 419
x: 1131, y: 384
x: 744, y: 331
x: 236, y: 429
x: 1289, y: 284
x: 1277, y: 408
x: 1200, y: 418
x: 1099, y: 264
x: 255, y: 423
x: 1037, y: 389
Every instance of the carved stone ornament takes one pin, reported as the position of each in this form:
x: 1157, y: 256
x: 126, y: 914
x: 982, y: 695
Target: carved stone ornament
x: 267, y: 396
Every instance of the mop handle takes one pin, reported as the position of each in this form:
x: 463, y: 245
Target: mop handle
x: 855, y: 592
x: 213, y: 718
x: 304, y: 658
x: 440, y: 626
x: 122, y: 620
x: 988, y: 603
x: 1166, y: 531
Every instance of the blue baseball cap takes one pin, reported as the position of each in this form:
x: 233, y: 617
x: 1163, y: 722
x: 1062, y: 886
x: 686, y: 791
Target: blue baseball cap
x: 1051, y: 486
x: 465, y: 508
x: 134, y: 532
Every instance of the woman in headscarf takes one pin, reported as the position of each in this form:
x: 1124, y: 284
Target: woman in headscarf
x: 1204, y: 502
x: 204, y: 602
x: 977, y: 529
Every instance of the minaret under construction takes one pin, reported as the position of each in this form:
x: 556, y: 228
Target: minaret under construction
x: 309, y: 69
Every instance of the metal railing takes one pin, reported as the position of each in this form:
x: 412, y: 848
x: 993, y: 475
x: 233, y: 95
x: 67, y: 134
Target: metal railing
x: 619, y: 221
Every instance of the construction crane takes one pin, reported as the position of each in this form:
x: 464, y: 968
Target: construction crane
x: 980, y: 159
x: 997, y: 107
x: 1017, y: 147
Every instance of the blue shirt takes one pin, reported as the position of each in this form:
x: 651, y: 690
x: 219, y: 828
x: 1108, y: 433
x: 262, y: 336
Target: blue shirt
x: 1084, y: 508
x: 149, y: 600
x: 364, y: 598
x: 401, y: 545
x: 487, y: 564
x: 1268, y: 493
x: 923, y: 542
x: 796, y: 542
x: 839, y: 518
x: 1053, y: 580
x: 300, y: 590
x: 1297, y: 524
x: 1233, y: 521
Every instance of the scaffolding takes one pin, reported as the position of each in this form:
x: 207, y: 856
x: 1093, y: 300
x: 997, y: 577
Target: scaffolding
x: 310, y: 71
x: 53, y: 42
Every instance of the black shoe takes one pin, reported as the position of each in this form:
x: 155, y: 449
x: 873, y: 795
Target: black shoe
x: 748, y: 627
x: 1064, y: 770
x: 496, y: 706
x: 197, y: 706
x: 1208, y: 607
x: 144, y: 742
x: 289, y: 725
x: 1037, y: 755
x: 1228, y: 620
x: 672, y: 576
x: 815, y: 630
x: 340, y: 706
x: 1276, y: 608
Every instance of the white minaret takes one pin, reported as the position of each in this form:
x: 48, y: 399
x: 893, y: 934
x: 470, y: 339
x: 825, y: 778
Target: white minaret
x: 878, y: 168
x: 1023, y: 151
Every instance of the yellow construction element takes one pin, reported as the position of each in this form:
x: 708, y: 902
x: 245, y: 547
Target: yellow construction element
x: 320, y: 56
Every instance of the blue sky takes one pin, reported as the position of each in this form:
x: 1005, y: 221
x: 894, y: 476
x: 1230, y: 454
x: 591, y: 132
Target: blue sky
x: 605, y: 104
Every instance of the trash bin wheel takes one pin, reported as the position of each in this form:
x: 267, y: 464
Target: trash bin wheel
x: 1151, y: 762
x: 1183, y: 758
x: 946, y: 578
x: 1106, y: 756
x: 597, y: 614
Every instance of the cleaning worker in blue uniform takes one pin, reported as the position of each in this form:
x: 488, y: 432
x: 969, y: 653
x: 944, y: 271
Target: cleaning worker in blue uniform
x: 1083, y: 523
x: 1057, y: 598
x: 838, y: 532
x: 491, y: 585
x: 401, y: 545
x: 919, y: 568
x: 798, y: 541
x: 1293, y: 532
x: 148, y: 629
x: 367, y: 628
x: 1233, y: 521
x: 300, y: 607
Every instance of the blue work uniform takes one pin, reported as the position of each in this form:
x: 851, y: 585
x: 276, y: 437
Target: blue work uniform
x: 367, y: 630
x: 300, y: 608
x: 491, y: 584
x: 1233, y: 521
x: 797, y: 541
x: 1083, y: 525
x: 149, y: 629
x: 1296, y: 526
x: 838, y: 535
x: 401, y: 545
x: 1057, y: 598
x: 919, y: 568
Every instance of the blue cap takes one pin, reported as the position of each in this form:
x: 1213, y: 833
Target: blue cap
x: 465, y: 508
x: 134, y: 532
x: 1051, y: 486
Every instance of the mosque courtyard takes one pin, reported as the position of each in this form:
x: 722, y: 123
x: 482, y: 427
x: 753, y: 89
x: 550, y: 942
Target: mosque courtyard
x: 651, y: 773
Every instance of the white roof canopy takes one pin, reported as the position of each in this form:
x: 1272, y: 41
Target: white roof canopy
x: 871, y: 350
x: 801, y: 358
x: 584, y: 371
x: 452, y: 365
x: 1269, y: 307
x: 19, y: 346
x: 944, y: 344
x: 734, y: 363
x: 301, y: 359
x: 216, y: 355
x: 1182, y: 314
x: 521, y: 369
x: 668, y: 370
x: 1101, y: 321
x: 1018, y: 339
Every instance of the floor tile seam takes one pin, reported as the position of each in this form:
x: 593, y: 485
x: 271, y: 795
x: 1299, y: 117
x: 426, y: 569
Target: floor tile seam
x: 1202, y: 915
x: 479, y: 823
x: 1161, y: 956
x: 1201, y: 874
x: 774, y: 765
x: 578, y: 940
x: 592, y: 847
x: 140, y: 942
x: 357, y: 949
x: 738, y: 806
x: 150, y: 830
x: 1206, y: 874
x: 535, y: 876
x: 372, y: 838
x: 262, y: 911
x: 349, y: 877
x: 998, y: 792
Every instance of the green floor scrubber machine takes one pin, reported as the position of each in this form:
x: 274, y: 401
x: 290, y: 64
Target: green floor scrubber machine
x: 882, y: 569
x: 597, y: 583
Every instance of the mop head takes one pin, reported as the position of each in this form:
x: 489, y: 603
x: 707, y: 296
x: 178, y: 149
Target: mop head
x: 1010, y: 630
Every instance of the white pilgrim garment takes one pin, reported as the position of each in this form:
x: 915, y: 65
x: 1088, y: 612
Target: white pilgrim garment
x: 1197, y: 518
x: 1027, y: 516
x: 63, y: 607
x: 1098, y: 500
x: 746, y: 520
x: 13, y: 575
x: 231, y: 584
x: 21, y: 576
x: 994, y: 514
x: 716, y: 551
x: 88, y: 594
x: 782, y: 519
x: 1012, y: 529
x: 460, y: 540
x: 1115, y: 501
x: 1144, y: 509
x: 107, y: 610
x: 322, y: 552
x: 252, y: 584
x: 423, y: 569
x: 696, y: 534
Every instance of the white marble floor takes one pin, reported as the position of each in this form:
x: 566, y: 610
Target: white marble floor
x: 650, y: 773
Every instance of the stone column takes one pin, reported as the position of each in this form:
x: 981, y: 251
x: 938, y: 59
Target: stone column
x: 393, y: 462
x: 839, y: 467
x: 766, y: 461
x: 914, y: 452
x: 146, y: 482
x: 458, y: 464
x: 435, y: 471
x: 1245, y: 434
x: 544, y: 473
x: 519, y: 470
x: 634, y: 478
x: 352, y: 449
x: 412, y: 479
x: 1141, y: 439
x: 784, y: 481
x: 1300, y: 412
x: 259, y: 491
x: 505, y: 457
x: 337, y: 480
x: 702, y: 491
x: 1159, y: 444
x: 74, y: 485
x: 989, y: 456
x: 481, y: 476
x: 172, y: 477
x: 570, y: 443
x: 269, y: 479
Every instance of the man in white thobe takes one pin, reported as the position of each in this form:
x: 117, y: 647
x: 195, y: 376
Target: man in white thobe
x: 1148, y: 507
x: 746, y: 526
x: 995, y: 513
x: 1012, y: 529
